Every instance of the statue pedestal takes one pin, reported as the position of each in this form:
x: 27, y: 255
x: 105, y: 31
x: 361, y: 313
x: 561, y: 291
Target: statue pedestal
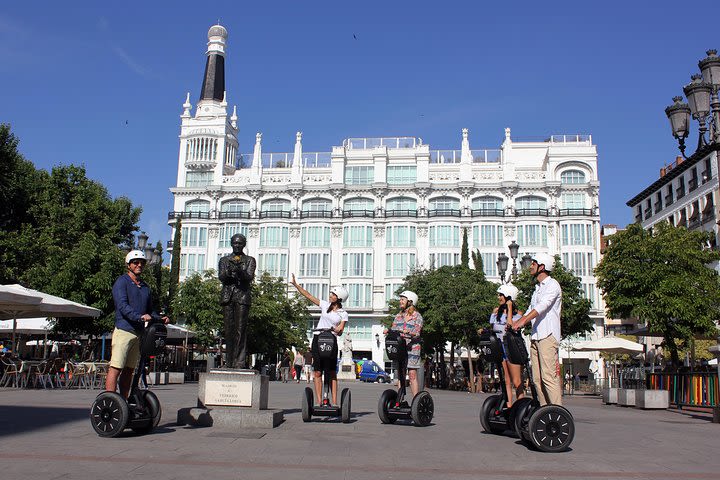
x: 347, y: 371
x: 231, y: 399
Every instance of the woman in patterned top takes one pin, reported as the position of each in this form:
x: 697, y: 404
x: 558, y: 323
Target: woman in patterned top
x: 409, y: 323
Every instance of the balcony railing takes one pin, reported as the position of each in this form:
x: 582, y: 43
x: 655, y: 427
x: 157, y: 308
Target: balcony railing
x: 275, y: 214
x: 401, y: 213
x: 444, y: 212
x: 316, y: 214
x: 565, y: 212
x: 223, y: 215
x: 536, y: 212
x: 454, y: 156
x: 358, y: 213
x: 390, y: 142
x: 184, y: 215
x: 487, y: 212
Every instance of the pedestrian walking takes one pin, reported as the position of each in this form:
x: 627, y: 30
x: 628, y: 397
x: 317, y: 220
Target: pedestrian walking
x: 285, y: 367
x: 307, y: 356
x: 298, y: 364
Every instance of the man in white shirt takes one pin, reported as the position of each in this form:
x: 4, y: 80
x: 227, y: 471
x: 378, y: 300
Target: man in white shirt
x: 544, y: 313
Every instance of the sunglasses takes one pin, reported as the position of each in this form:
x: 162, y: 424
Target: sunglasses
x: 137, y: 262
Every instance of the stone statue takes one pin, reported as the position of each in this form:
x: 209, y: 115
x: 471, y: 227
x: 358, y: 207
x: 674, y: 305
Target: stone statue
x: 347, y: 348
x: 236, y: 273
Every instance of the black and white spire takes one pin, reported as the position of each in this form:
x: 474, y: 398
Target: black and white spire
x: 213, y: 86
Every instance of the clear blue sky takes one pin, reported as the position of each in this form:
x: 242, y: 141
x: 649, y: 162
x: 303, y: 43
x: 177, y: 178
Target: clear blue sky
x: 73, y: 73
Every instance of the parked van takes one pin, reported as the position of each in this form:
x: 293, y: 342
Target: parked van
x: 372, y: 372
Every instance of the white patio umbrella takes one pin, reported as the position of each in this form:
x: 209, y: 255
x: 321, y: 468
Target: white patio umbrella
x: 17, y: 301
x: 614, y: 345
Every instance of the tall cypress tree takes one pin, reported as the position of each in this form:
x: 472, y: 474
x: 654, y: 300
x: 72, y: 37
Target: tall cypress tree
x: 175, y: 267
x: 465, y: 252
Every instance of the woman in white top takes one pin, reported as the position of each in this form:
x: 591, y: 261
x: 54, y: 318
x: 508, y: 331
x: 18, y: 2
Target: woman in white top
x: 501, y: 319
x: 333, y: 317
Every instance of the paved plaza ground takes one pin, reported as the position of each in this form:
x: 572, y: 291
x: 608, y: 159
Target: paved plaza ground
x: 46, y: 434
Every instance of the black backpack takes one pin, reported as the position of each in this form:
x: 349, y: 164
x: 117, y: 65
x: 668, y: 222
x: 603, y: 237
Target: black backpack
x: 326, y: 344
x: 395, y: 345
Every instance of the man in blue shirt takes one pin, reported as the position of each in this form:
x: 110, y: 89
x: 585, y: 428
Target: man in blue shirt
x: 133, y: 307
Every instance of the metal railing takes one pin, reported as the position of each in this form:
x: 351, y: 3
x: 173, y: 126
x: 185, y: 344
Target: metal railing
x: 401, y: 213
x: 444, y: 212
x: 390, y: 142
x: 542, y: 212
x: 358, y: 213
x: 487, y: 212
x: 275, y: 214
x: 316, y: 214
x: 223, y: 215
x: 454, y: 156
x: 564, y: 212
x: 184, y: 215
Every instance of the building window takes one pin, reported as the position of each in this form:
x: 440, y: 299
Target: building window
x: 359, y: 175
x: 359, y: 205
x: 274, y: 237
x: 317, y: 290
x: 401, y: 174
x: 315, y: 237
x: 579, y: 263
x: 530, y: 203
x: 191, y: 263
x: 276, y: 206
x: 402, y: 203
x: 489, y: 260
x: 444, y: 259
x: 532, y: 235
x: 360, y: 295
x: 314, y: 265
x: 358, y: 236
x: 487, y: 203
x: 573, y: 200
x: 357, y: 265
x: 198, y: 179
x: 444, y: 236
x: 445, y: 205
x: 235, y: 206
x: 589, y: 293
x: 402, y: 236
x: 572, y: 177
x: 391, y: 290
x: 273, y: 263
x: 576, y: 234
x: 228, y: 230
x: 197, y: 206
x: 399, y: 264
x: 487, y: 236
x: 194, y: 236
x: 317, y: 205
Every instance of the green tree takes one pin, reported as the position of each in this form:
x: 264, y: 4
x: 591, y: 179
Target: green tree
x: 197, y: 305
x: 174, y: 280
x: 464, y: 251
x: 662, y: 277
x: 575, y: 313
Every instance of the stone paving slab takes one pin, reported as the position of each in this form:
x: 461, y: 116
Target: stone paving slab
x: 47, y: 434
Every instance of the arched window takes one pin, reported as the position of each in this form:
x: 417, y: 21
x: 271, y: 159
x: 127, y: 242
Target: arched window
x: 572, y: 177
x: 530, y: 202
x: 197, y: 206
x: 487, y: 203
x: 401, y: 207
x: 358, y: 207
x: 235, y: 205
x: 276, y: 208
x: 317, y: 205
x: 444, y: 203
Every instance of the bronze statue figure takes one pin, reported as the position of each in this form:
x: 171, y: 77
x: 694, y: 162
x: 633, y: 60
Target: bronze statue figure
x: 236, y: 273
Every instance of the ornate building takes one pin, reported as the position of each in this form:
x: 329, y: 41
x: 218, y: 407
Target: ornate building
x: 369, y: 210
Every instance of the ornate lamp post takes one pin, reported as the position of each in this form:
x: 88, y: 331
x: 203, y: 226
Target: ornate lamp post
x: 502, y: 264
x: 503, y: 261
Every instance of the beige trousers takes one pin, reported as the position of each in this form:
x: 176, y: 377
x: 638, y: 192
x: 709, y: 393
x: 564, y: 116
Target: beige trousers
x: 546, y: 370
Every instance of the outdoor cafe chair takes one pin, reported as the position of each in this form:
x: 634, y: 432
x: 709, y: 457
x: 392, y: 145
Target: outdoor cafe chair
x: 40, y: 373
x: 10, y: 373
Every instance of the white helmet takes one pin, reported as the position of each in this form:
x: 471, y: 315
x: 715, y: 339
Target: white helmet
x: 545, y: 259
x: 340, y: 292
x: 509, y: 291
x: 412, y: 296
x: 135, y: 255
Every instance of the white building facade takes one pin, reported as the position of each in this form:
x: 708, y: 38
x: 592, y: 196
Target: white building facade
x: 366, y: 212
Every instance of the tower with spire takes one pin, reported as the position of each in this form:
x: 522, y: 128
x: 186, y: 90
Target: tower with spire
x: 208, y: 139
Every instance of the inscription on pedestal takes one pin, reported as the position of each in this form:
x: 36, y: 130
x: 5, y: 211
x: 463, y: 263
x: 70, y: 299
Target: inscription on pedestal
x: 222, y: 392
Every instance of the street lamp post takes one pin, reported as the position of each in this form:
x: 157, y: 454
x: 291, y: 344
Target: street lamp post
x: 704, y: 106
x: 503, y: 261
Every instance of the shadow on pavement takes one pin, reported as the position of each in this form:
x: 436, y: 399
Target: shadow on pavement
x: 17, y: 419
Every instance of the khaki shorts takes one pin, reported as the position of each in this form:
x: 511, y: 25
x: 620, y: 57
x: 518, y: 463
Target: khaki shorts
x: 125, y: 349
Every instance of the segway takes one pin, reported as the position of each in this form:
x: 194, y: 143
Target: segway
x: 327, y: 348
x: 549, y: 428
x: 110, y: 413
x: 392, y: 404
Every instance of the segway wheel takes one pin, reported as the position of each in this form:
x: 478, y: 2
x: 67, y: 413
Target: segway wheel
x: 345, y: 398
x: 386, y: 402
x: 519, y: 415
x: 422, y: 409
x: 551, y: 428
x: 307, y: 402
x: 487, y: 410
x: 153, y: 412
x: 109, y: 414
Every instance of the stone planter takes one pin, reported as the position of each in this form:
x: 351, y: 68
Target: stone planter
x: 652, y: 399
x: 626, y: 397
x: 610, y: 396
